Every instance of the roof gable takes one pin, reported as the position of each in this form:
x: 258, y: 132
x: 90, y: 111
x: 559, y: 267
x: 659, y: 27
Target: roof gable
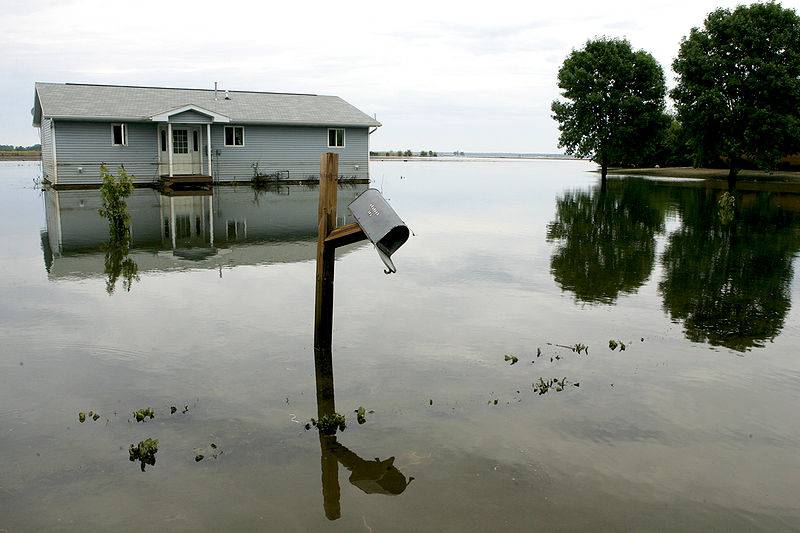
x: 165, y: 115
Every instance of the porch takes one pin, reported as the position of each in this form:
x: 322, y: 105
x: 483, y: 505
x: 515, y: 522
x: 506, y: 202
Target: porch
x: 185, y: 145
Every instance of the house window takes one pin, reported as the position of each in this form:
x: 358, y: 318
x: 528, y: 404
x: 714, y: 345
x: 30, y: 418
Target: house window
x: 119, y: 135
x: 336, y: 138
x: 180, y: 142
x: 163, y: 140
x: 234, y: 136
x: 195, y: 141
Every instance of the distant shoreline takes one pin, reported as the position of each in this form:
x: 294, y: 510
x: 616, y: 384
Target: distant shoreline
x: 20, y: 156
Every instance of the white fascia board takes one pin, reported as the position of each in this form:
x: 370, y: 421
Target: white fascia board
x: 164, y: 117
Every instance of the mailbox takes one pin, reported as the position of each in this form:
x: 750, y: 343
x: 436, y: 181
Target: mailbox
x: 380, y: 224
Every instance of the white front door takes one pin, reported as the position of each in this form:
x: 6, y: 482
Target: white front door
x: 181, y: 155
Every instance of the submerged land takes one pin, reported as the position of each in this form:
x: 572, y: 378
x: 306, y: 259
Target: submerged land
x: 709, y: 173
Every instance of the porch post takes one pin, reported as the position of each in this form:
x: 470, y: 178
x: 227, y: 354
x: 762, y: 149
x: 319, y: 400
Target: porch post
x: 169, y: 152
x: 208, y: 147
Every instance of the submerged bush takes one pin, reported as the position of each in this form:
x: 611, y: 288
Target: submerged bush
x: 114, y: 192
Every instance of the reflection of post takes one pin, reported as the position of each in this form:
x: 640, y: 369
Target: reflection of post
x: 326, y: 255
x: 326, y: 405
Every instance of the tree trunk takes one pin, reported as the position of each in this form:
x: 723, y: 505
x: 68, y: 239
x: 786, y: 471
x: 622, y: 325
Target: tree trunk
x: 732, y: 173
x: 603, y: 171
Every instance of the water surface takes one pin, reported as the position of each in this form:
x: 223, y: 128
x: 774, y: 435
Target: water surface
x: 693, y: 427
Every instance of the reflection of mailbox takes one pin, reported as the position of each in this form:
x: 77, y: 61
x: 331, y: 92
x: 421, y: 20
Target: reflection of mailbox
x: 380, y: 224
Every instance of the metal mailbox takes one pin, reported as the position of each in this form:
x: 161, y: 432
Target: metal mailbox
x: 380, y: 224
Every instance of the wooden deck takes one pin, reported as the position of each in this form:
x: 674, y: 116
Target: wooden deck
x: 191, y: 180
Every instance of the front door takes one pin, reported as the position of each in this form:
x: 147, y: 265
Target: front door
x: 181, y: 153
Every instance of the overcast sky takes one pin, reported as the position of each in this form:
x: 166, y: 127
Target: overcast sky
x: 439, y: 75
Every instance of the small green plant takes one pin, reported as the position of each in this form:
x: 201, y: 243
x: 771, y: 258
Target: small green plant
x: 141, y: 414
x: 614, y: 344
x: 543, y: 387
x: 144, y: 452
x: 512, y: 358
x: 361, y: 414
x: 328, y: 423
x: 726, y: 208
x: 114, y: 191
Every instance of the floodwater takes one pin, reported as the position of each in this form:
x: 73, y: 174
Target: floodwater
x: 694, y: 426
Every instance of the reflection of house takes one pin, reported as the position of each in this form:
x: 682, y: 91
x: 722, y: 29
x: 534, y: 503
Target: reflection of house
x: 162, y: 132
x: 231, y: 226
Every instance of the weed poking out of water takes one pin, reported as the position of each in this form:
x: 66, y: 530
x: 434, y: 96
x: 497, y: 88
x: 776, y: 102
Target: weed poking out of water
x: 361, y: 414
x: 727, y: 208
x: 543, y: 387
x: 141, y: 414
x: 614, y: 344
x: 144, y: 452
x: 329, y: 423
x: 81, y: 417
x: 512, y: 358
x: 577, y: 347
x: 199, y: 457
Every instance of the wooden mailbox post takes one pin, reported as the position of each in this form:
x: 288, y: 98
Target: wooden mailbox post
x: 329, y: 237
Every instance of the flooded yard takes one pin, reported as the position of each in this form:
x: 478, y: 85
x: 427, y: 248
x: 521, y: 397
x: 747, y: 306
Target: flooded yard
x: 492, y: 398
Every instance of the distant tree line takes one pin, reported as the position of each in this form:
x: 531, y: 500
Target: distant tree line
x: 12, y: 148
x: 405, y: 153
x: 736, y: 101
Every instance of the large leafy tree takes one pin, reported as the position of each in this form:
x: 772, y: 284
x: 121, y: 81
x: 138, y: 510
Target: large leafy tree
x: 738, y: 91
x: 613, y: 103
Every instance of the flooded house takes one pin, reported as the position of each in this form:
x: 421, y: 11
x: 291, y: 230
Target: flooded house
x: 199, y: 135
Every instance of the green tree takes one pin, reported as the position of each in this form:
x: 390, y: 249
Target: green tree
x: 738, y: 91
x: 613, y: 107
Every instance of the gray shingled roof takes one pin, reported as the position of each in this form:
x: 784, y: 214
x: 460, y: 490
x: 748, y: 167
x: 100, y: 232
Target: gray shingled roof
x: 79, y: 101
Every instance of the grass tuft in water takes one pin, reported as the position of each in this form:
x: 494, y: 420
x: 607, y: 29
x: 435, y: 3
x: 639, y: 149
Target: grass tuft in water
x: 144, y: 452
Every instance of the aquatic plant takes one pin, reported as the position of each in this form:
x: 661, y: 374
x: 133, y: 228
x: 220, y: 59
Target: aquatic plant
x: 614, y: 344
x: 512, y: 358
x: 141, y: 414
x: 726, y: 205
x: 328, y: 423
x: 144, y: 452
x: 543, y: 387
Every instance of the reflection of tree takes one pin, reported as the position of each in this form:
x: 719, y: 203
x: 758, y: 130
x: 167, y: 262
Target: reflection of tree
x: 729, y: 284
x: 117, y: 262
x: 606, y: 239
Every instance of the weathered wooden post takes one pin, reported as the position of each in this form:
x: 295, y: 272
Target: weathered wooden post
x: 329, y: 237
x: 326, y: 255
